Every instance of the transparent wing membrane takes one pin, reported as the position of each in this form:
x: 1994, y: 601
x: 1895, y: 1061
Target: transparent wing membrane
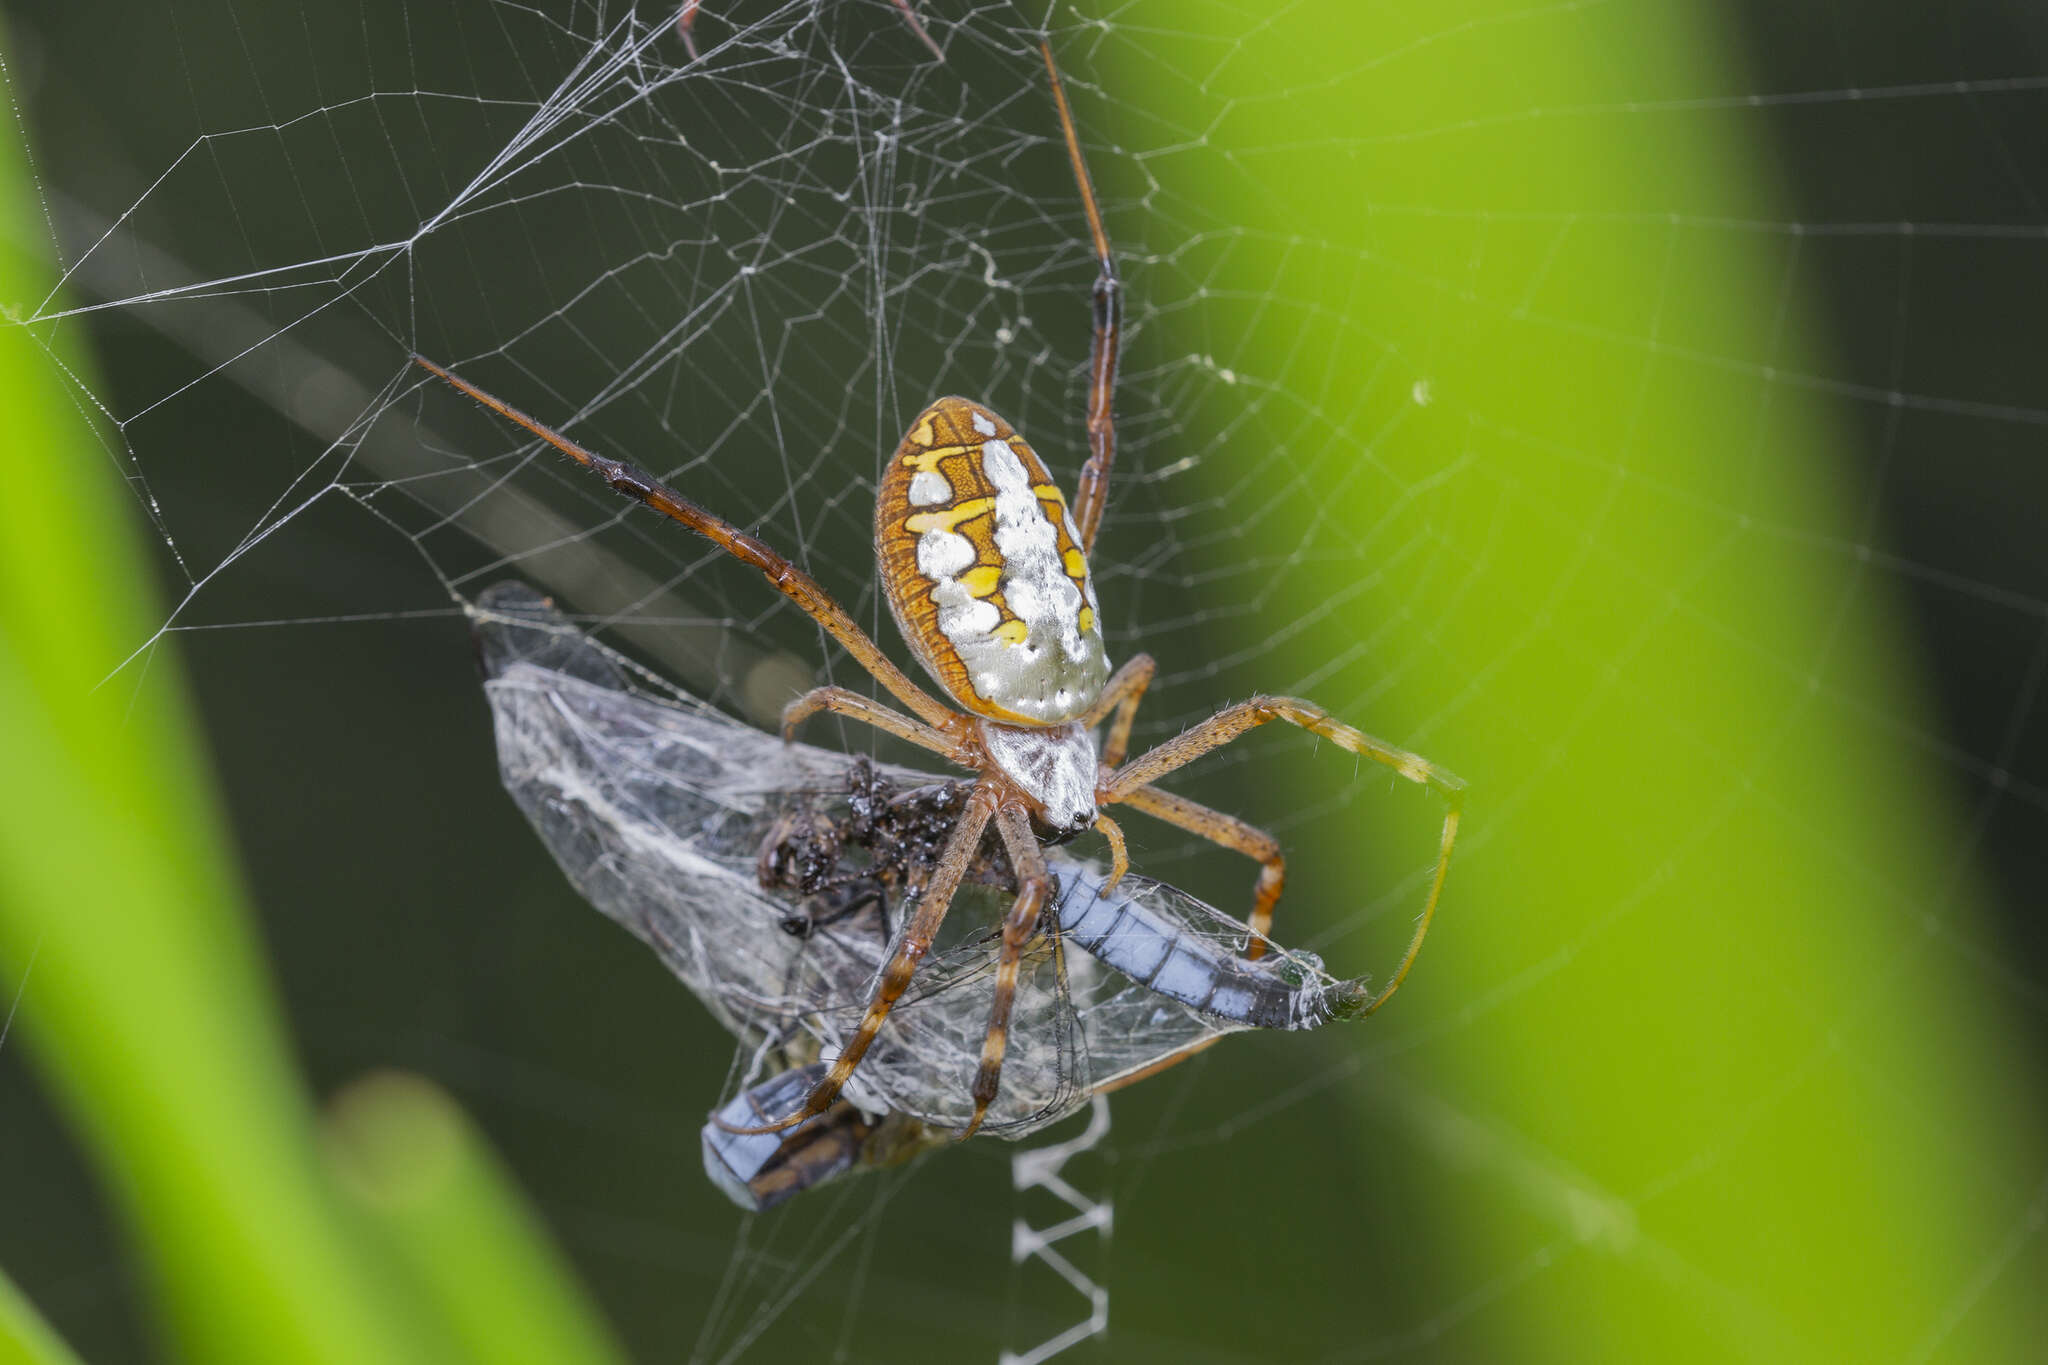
x: 659, y: 808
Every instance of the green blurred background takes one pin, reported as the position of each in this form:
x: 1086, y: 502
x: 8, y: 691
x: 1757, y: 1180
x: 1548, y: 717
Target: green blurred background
x: 1635, y: 407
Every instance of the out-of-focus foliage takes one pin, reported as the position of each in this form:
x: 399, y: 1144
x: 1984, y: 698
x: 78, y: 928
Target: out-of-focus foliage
x: 1691, y: 1067
x: 1762, y: 1115
x: 141, y: 991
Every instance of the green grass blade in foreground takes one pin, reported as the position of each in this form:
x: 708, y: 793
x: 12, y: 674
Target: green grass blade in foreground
x: 25, y: 1339
x: 1685, y: 1074
x: 422, y: 1173
x: 149, y: 1011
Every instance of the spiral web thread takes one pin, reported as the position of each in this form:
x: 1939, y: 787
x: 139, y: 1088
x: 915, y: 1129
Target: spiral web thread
x: 347, y: 185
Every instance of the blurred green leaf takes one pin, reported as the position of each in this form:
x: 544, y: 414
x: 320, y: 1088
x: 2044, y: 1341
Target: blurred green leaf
x: 422, y: 1174
x: 148, y: 1007
x: 1626, y: 668
x: 24, y: 1337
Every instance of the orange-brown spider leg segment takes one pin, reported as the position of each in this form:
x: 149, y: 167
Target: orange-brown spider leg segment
x: 1233, y: 721
x: 1091, y: 492
x: 840, y: 702
x: 915, y: 942
x: 1119, y: 852
x: 785, y: 577
x: 1034, y: 883
x: 1172, y: 1059
x: 1233, y: 834
x: 687, y: 18
x: 1121, y: 694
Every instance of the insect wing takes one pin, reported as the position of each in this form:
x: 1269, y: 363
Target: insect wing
x: 653, y: 808
x: 657, y: 807
x: 1047, y: 1066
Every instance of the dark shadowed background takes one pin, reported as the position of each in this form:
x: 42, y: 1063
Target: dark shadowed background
x: 1636, y: 407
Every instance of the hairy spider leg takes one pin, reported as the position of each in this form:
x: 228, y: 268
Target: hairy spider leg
x: 1119, y: 852
x: 1171, y: 1059
x: 1233, y: 721
x: 839, y: 701
x: 686, y: 19
x: 1091, y: 491
x: 1233, y: 834
x: 911, y: 946
x: 1034, y: 884
x: 1122, y: 693
x: 782, y: 575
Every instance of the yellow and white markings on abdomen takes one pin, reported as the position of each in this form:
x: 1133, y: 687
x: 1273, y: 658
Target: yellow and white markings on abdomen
x: 984, y: 570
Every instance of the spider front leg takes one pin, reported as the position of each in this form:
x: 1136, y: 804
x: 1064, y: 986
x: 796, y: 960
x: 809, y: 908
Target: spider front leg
x: 1034, y: 884
x: 1091, y: 492
x: 1233, y: 721
x: 1121, y: 694
x: 1119, y: 852
x: 782, y: 574
x: 911, y: 947
x: 840, y: 702
x: 1233, y: 834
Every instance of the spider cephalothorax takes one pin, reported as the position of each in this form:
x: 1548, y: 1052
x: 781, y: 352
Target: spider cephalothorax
x: 986, y: 570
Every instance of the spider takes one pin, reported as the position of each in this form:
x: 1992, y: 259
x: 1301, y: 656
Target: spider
x: 985, y: 568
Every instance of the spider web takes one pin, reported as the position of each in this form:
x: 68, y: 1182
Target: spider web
x: 747, y: 274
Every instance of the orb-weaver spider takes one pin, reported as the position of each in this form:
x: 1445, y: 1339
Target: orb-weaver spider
x: 986, y: 572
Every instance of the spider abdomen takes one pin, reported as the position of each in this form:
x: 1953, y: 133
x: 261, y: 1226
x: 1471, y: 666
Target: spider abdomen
x: 984, y: 570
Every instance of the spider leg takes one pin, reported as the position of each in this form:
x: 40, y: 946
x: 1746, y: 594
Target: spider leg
x: 1233, y: 721
x: 782, y: 575
x: 1233, y: 834
x: 915, y: 942
x: 854, y: 706
x: 687, y: 18
x: 1121, y: 694
x: 1091, y: 491
x: 1172, y: 1059
x: 917, y: 27
x: 1119, y: 854
x: 1034, y: 883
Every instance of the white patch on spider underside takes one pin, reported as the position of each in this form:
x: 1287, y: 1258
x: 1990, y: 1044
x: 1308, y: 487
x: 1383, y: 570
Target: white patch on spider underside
x: 961, y: 615
x: 928, y: 488
x: 1055, y: 766
x: 942, y: 554
x: 1035, y: 583
x: 1056, y: 671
